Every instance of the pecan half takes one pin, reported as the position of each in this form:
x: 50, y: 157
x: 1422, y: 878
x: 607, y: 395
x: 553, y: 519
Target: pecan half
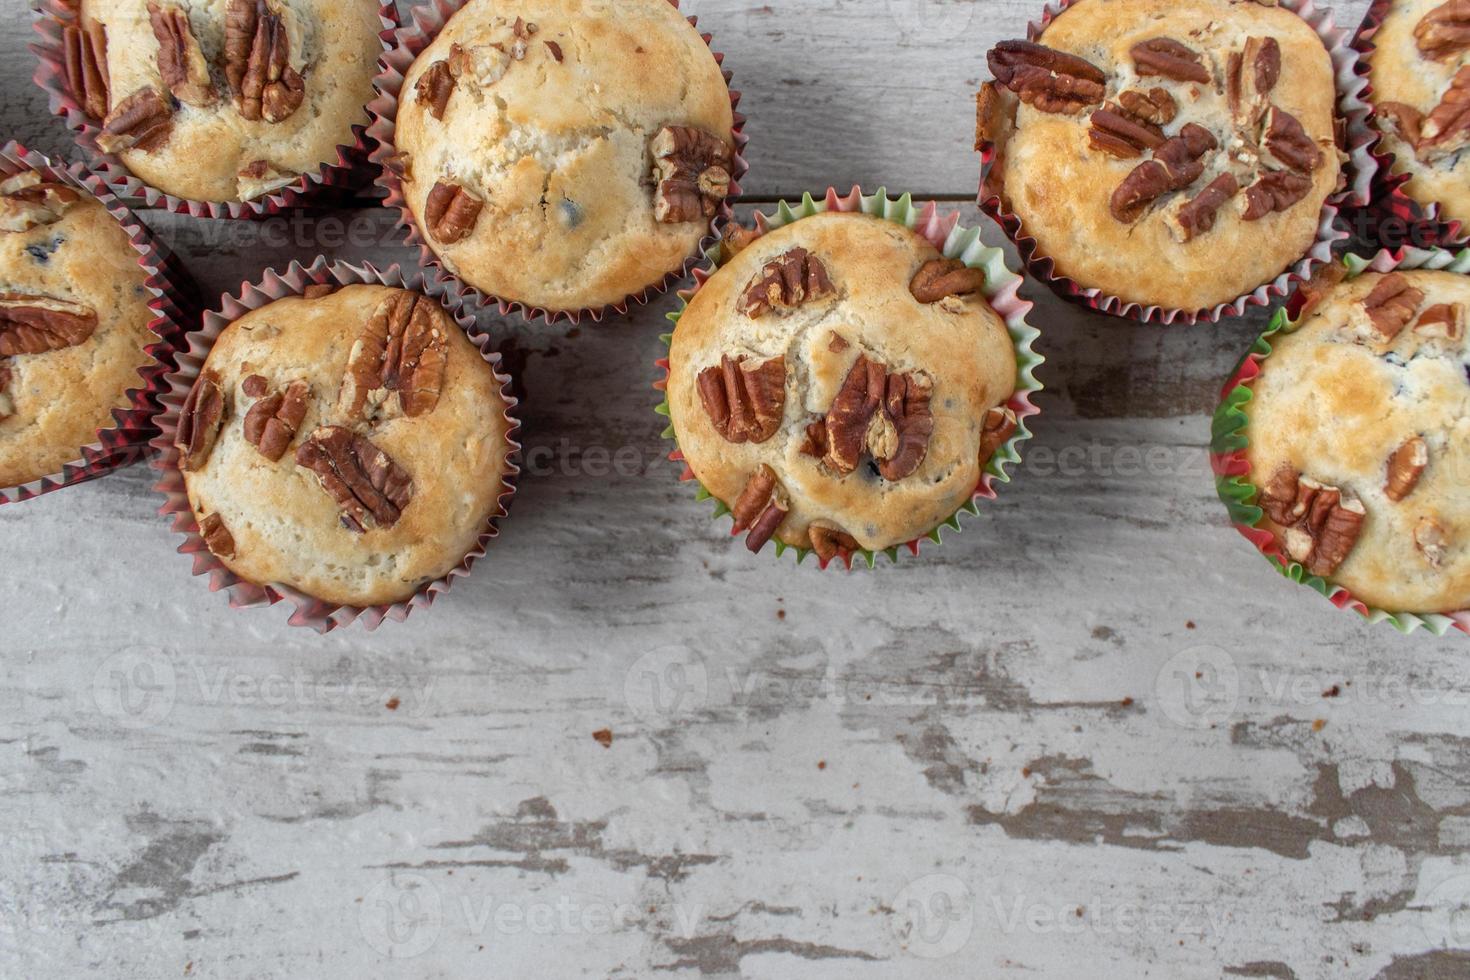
x: 829, y: 542
x: 1116, y: 131
x: 1445, y: 30
x: 217, y: 537
x: 847, y: 421
x: 199, y: 422
x: 744, y: 403
x: 27, y: 201
x: 940, y: 278
x: 999, y: 425
x: 33, y: 324
x: 1287, y: 141
x: 1155, y: 106
x: 450, y: 212
x: 84, y: 62
x: 691, y: 172
x: 1275, y: 191
x: 1405, y: 466
x: 1444, y: 321
x: 403, y: 350
x: 906, y: 408
x: 1404, y: 119
x: 272, y: 422
x: 1251, y: 76
x: 1047, y: 79
x: 1319, y: 525
x: 1432, y: 540
x: 1447, y: 127
x: 434, y: 88
x: 1171, y: 59
x: 1176, y: 165
x: 1391, y: 305
x: 1198, y: 216
x: 257, y: 62
x: 143, y: 121
x: 7, y: 400
x: 180, y: 60
x: 885, y: 415
x: 790, y: 279
x: 370, y: 489
x: 760, y: 508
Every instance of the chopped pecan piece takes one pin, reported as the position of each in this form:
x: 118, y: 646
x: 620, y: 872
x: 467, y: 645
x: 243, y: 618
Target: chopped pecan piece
x: 217, y: 537
x: 1444, y: 321
x: 262, y: 177
x: 485, y: 63
x: 1445, y: 30
x: 1047, y: 79
x: 434, y: 88
x: 1116, y: 131
x: 403, y: 350
x: 1432, y: 540
x: 691, y: 172
x: 1319, y: 287
x: 1391, y: 305
x: 829, y: 542
x: 199, y: 422
x: 450, y: 212
x: 142, y: 121
x: 1276, y: 190
x: 790, y: 279
x: 554, y: 50
x: 370, y: 489
x: 744, y: 403
x: 1000, y: 424
x: 940, y: 278
x: 257, y: 62
x: 1171, y: 59
x: 272, y: 422
x: 906, y: 408
x: 734, y: 239
x: 1176, y: 165
x: 180, y: 60
x: 1287, y: 141
x: 1251, y: 76
x: 27, y: 201
x: 1405, y: 466
x: 32, y: 324
x: 7, y: 400
x: 1447, y: 128
x: 1198, y: 216
x: 84, y: 61
x: 1319, y: 525
x: 1404, y: 119
x: 760, y: 508
x: 1155, y: 106
x: 814, y: 444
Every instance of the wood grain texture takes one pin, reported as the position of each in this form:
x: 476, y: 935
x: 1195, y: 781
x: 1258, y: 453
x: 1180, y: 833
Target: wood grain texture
x: 1092, y: 735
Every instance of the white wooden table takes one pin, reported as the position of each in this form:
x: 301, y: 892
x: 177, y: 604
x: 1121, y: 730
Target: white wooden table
x: 1088, y: 737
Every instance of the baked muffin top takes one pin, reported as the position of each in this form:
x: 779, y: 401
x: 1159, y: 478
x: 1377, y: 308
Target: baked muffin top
x: 74, y: 322
x: 1359, y: 442
x: 349, y: 445
x: 565, y: 154
x: 225, y: 100
x: 1421, y: 94
x: 839, y: 385
x: 1173, y: 153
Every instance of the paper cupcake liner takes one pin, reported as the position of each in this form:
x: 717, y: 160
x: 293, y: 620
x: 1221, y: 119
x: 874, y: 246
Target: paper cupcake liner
x: 1229, y: 440
x: 954, y: 242
x: 309, y: 611
x: 331, y: 180
x: 175, y: 307
x: 1358, y: 172
x: 428, y: 19
x: 1390, y: 202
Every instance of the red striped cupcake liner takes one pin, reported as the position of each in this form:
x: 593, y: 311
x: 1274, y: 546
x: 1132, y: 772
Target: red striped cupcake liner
x: 310, y: 611
x: 1359, y: 173
x: 333, y: 180
x: 428, y: 19
x: 174, y: 302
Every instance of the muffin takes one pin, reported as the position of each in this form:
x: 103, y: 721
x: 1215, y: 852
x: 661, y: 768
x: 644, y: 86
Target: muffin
x: 74, y: 324
x: 1357, y: 440
x: 561, y: 155
x: 348, y: 444
x: 1171, y: 153
x: 1421, y: 95
x: 224, y: 100
x: 840, y: 386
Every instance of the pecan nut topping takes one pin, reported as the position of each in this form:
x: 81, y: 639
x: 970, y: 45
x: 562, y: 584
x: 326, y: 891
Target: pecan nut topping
x: 180, y: 60
x: 1405, y: 467
x: 1275, y: 191
x: 84, y: 62
x: 272, y: 422
x: 1391, y: 305
x: 847, y: 421
x: 217, y: 537
x: 7, y: 400
x: 143, y: 121
x: 1176, y: 165
x: 199, y: 422
x: 830, y: 542
x: 1445, y: 30
x: 1404, y: 119
x: 744, y: 403
x: 1251, y: 76
x: 906, y: 408
x: 450, y: 212
x: 1316, y: 289
x: 938, y: 279
x: 999, y: 425
x: 790, y: 279
x: 257, y: 62
x: 1047, y: 79
x: 370, y: 489
x: 1432, y: 540
x: 1445, y: 321
x: 1156, y: 105
x: 691, y: 172
x: 1446, y: 129
x: 1320, y: 526
x: 885, y: 415
x: 734, y: 239
x: 1287, y: 141
x: 1171, y: 59
x: 403, y: 351
x: 434, y: 88
x: 31, y: 324
x: 760, y: 508
x: 27, y: 201
x: 1115, y: 130
x: 1198, y: 216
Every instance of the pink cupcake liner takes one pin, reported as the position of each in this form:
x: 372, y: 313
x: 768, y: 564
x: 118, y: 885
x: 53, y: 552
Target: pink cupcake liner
x: 349, y: 171
x: 174, y: 303
x: 1359, y: 173
x: 1389, y: 200
x: 428, y: 19
x: 309, y: 611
